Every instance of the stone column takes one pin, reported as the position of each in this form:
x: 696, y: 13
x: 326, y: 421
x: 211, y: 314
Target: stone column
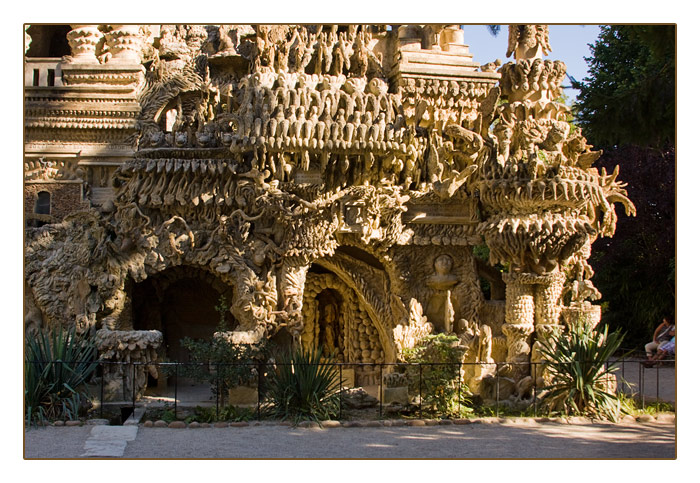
x: 27, y: 39
x: 292, y: 281
x: 547, y: 312
x: 519, y: 324
x: 83, y: 40
x: 124, y: 43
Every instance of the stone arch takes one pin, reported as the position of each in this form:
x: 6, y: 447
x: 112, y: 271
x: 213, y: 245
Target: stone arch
x: 180, y: 302
x: 359, y: 338
x: 371, y: 286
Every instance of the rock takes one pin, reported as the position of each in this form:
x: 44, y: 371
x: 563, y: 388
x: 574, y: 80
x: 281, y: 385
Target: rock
x: 160, y: 424
x: 204, y: 425
x: 628, y: 418
x: 148, y: 424
x: 462, y: 421
x: 59, y: 423
x: 416, y: 422
x: 667, y: 418
x: 177, y: 425
x: 373, y: 424
x: 357, y: 398
x: 194, y: 425
x: 239, y: 424
x: 330, y: 424
x: 645, y: 418
x: 399, y: 422
x: 74, y: 423
x: 445, y: 422
x: 221, y: 424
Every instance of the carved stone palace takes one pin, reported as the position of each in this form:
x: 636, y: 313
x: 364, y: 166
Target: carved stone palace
x: 338, y: 184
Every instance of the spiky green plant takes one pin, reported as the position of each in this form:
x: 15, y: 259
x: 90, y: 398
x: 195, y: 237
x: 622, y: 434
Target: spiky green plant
x: 58, y: 363
x: 305, y: 386
x: 575, y: 362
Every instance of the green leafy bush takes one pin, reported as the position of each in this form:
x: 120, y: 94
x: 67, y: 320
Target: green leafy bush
x: 304, y: 386
x: 226, y: 413
x: 440, y: 376
x: 222, y: 364
x: 575, y: 362
x: 58, y: 364
x: 218, y: 361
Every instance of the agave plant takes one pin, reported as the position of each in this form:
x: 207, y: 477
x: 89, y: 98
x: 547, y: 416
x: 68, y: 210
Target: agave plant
x: 575, y: 362
x: 58, y: 363
x: 304, y: 386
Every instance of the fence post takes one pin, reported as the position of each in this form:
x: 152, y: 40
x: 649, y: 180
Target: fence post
x: 177, y: 366
x: 657, y: 384
x: 642, y: 384
x: 259, y: 380
x: 102, y: 389
x: 381, y: 388
x: 459, y: 389
x: 133, y: 387
x: 218, y: 389
x: 340, y: 398
x: 498, y: 390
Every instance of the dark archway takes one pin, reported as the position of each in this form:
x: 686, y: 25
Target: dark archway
x: 180, y: 302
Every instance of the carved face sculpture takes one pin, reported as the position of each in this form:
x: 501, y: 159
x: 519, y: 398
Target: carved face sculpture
x: 443, y: 264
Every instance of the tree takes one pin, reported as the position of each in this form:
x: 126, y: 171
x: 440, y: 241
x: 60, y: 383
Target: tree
x: 627, y: 107
x: 629, y: 97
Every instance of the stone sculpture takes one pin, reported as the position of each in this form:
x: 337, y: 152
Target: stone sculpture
x: 331, y: 179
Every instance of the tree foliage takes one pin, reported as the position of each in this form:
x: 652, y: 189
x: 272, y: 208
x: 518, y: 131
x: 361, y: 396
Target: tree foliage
x: 629, y: 97
x: 627, y: 107
x: 635, y: 270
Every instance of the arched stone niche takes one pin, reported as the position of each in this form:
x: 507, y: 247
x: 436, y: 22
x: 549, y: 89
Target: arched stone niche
x: 329, y: 301
x: 180, y: 302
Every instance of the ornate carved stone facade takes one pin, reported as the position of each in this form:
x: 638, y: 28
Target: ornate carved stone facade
x: 331, y: 181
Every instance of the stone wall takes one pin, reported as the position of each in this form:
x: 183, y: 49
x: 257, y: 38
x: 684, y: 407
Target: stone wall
x: 66, y: 198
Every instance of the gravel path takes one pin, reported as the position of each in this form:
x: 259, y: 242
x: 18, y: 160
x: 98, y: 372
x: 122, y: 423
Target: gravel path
x: 507, y: 440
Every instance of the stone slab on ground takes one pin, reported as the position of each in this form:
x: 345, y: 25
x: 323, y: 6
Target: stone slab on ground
x: 109, y: 441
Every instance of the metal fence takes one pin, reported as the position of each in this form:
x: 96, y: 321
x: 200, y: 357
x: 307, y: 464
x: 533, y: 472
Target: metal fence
x: 633, y: 377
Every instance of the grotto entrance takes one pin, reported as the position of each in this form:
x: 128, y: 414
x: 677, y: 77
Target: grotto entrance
x: 180, y: 302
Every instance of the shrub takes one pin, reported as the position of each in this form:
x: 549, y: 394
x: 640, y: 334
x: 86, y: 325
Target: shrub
x: 575, y: 363
x: 440, y: 378
x: 305, y: 386
x: 58, y: 363
x: 222, y: 363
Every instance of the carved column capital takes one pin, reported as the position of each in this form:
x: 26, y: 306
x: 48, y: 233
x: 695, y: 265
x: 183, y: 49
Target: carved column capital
x: 83, y: 40
x: 124, y: 43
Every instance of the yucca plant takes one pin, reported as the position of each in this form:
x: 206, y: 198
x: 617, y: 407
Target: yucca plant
x: 575, y: 362
x: 58, y: 363
x: 305, y: 386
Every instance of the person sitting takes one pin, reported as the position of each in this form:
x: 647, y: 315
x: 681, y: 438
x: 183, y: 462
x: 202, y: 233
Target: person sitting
x: 665, y: 350
x: 661, y: 334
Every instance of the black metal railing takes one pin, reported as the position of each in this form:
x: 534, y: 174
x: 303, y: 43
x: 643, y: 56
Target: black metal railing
x: 421, y: 383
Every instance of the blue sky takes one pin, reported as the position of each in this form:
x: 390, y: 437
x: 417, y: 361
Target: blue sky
x: 569, y: 44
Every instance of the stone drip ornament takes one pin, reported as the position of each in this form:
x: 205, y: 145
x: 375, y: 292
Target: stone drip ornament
x: 334, y: 180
